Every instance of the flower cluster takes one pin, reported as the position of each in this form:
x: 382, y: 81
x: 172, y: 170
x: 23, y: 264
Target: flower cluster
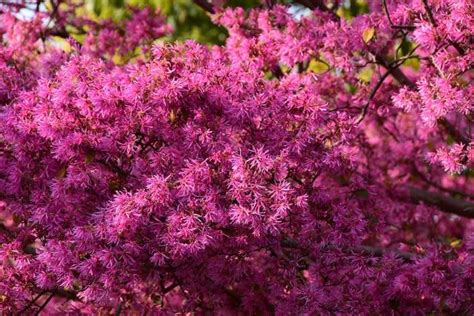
x: 270, y: 175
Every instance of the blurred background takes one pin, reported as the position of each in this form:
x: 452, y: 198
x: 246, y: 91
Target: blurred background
x: 190, y: 21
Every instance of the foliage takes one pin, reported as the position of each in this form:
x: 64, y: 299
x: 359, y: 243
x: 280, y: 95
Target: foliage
x: 306, y: 166
x: 187, y: 19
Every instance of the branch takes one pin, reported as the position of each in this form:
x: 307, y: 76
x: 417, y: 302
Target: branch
x: 432, y: 20
x: 368, y: 250
x: 378, y: 252
x: 408, y: 27
x: 392, y: 69
x: 457, y: 135
x: 445, y: 203
x: 432, y: 183
x: 205, y: 5
x: 270, y: 3
x: 396, y: 72
x: 430, y: 14
x: 306, y: 3
x: 31, y: 303
x: 119, y: 309
x: 372, y: 95
x: 45, y: 303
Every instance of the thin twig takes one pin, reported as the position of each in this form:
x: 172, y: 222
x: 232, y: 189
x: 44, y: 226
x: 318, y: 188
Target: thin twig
x: 372, y: 95
x: 119, y: 309
x: 45, y: 303
x: 31, y: 303
x: 408, y: 27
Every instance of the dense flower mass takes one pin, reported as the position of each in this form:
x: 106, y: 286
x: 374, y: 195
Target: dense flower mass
x: 313, y: 165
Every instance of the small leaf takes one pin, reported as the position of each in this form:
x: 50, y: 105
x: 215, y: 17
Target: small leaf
x: 456, y: 243
x: 61, y: 172
x: 89, y: 157
x: 172, y: 116
x: 114, y: 185
x: 368, y: 34
x: 317, y: 66
x: 16, y: 219
x: 362, y: 193
x: 365, y: 74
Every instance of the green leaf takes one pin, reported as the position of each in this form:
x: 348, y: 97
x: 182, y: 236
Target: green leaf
x: 362, y: 193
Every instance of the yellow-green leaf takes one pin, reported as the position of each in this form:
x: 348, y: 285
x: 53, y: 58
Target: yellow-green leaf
x: 317, y: 66
x: 456, y: 243
x: 368, y: 34
x: 365, y: 74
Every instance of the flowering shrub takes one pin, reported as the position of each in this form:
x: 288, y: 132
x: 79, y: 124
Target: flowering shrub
x: 271, y: 175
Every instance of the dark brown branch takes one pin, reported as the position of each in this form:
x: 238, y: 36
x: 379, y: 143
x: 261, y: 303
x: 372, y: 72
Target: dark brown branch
x: 445, y: 203
x: 457, y: 135
x: 378, y: 252
x: 396, y: 72
x: 432, y: 20
x: 205, y: 5
x: 364, y: 249
x: 33, y: 301
x: 50, y: 297
x: 170, y: 288
x: 270, y: 3
x: 70, y: 295
x: 372, y: 95
x: 392, y: 69
x: 458, y: 47
x: 118, y: 311
x: 435, y: 185
x: 306, y: 3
